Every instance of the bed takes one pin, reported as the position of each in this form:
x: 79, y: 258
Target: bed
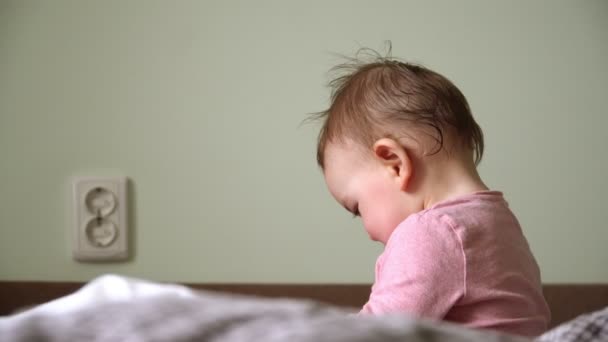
x: 112, y: 308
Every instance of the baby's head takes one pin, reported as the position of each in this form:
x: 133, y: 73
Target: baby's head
x: 396, y: 139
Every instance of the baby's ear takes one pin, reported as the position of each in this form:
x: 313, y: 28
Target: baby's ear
x: 396, y: 159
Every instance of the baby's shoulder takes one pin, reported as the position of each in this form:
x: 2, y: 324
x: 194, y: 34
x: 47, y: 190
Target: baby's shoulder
x: 434, y: 218
x: 458, y: 218
x: 423, y: 225
x: 480, y: 209
x: 424, y: 233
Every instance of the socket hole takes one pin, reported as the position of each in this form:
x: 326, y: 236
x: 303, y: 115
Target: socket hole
x: 100, y: 202
x: 101, y: 232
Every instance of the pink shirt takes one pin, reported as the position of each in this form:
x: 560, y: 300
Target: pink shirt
x: 466, y: 261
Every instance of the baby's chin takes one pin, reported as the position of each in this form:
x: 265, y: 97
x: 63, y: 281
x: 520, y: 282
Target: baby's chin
x: 373, y: 237
x: 376, y: 238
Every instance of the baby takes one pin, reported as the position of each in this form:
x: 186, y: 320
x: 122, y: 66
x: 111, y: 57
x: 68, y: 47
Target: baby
x: 399, y: 148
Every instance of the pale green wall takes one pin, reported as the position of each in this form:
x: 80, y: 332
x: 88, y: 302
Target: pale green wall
x: 199, y: 103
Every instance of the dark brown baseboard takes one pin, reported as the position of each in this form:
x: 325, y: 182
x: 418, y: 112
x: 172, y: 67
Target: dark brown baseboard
x: 565, y: 300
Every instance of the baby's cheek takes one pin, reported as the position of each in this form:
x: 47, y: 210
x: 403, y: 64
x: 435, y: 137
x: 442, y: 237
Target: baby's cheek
x: 381, y: 216
x: 389, y: 223
x: 391, y: 217
x: 378, y: 223
x: 369, y: 219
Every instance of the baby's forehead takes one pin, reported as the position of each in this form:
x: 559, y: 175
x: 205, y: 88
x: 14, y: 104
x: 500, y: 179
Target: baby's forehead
x: 344, y: 155
x: 340, y: 149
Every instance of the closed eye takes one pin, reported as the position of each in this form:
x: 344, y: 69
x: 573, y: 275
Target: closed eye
x: 355, y: 211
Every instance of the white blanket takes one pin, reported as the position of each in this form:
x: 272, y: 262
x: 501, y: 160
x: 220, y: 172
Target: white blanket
x: 114, y: 308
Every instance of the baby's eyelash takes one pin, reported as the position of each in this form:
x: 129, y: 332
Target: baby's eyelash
x: 356, y: 211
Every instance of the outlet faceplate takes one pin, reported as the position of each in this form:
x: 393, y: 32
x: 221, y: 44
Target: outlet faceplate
x: 100, y: 231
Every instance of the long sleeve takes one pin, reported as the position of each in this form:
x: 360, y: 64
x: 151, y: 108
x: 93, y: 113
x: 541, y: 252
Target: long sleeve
x: 422, y: 271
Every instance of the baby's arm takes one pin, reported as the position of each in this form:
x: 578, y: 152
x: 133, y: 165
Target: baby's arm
x: 423, y: 271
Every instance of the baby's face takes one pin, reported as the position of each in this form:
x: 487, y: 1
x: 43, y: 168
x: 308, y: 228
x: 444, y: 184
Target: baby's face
x: 362, y: 186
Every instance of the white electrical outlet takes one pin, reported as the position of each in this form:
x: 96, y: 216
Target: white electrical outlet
x: 100, y: 229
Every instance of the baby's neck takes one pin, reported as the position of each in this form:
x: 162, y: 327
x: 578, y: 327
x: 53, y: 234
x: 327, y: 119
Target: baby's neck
x: 452, y: 178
